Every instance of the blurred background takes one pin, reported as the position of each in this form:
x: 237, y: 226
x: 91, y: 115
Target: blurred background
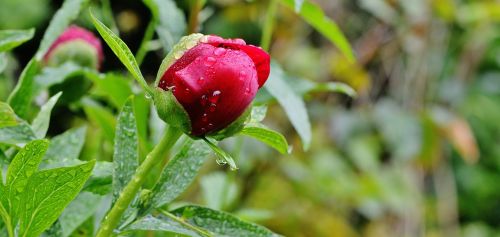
x: 416, y: 153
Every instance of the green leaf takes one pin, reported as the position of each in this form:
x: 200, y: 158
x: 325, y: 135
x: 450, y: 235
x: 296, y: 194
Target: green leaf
x: 22, y: 167
x: 258, y: 113
x: 115, y: 87
x: 164, y: 224
x: 272, y: 138
x: 20, y: 98
x: 219, y: 190
x: 101, y: 117
x: 121, y: 51
x: 125, y: 157
x: 7, y: 115
x: 62, y: 18
x: 47, y: 194
x: 313, y: 15
x: 293, y: 104
x: 179, y: 172
x: 303, y: 87
x: 18, y: 134
x: 65, y: 148
x: 10, y: 39
x: 220, y: 223
x: 170, y: 19
x: 298, y: 5
x: 54, y: 75
x: 100, y: 182
x: 40, y: 124
x: 79, y: 210
x: 3, y: 61
x: 222, y: 156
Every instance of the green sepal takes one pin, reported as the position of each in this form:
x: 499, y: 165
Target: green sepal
x: 77, y: 51
x: 170, y: 110
x: 233, y: 128
x: 185, y: 43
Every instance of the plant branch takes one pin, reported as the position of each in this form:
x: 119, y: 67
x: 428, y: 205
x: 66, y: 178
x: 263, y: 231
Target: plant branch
x: 196, y: 6
x: 130, y: 191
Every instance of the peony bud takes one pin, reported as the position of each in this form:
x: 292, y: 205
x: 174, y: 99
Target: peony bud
x: 78, y: 45
x: 214, y: 80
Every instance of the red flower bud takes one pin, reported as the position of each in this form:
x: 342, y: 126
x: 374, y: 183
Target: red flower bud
x: 78, y: 45
x: 215, y: 80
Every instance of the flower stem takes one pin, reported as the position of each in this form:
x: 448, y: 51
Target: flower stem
x: 155, y: 157
x: 267, y: 32
x: 196, y: 6
x: 143, y: 48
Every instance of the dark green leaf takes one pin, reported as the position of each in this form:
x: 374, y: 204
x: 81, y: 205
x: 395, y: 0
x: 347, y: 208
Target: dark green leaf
x: 3, y: 61
x: 293, y: 105
x: 125, y: 157
x: 10, y: 39
x: 221, y: 223
x: 54, y: 75
x: 20, y: 98
x: 179, y: 172
x: 62, y: 18
x: 40, y: 124
x: 313, y: 15
x: 65, y: 148
x: 272, y: 138
x: 121, y: 51
x: 47, y: 194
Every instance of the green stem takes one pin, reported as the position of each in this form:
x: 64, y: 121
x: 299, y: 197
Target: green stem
x: 185, y: 224
x: 143, y: 48
x: 7, y: 222
x: 130, y: 191
x: 196, y: 6
x: 267, y: 31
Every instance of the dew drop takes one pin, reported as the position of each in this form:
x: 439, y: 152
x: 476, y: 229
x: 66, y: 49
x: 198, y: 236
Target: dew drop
x: 220, y: 161
x: 212, y: 108
x: 210, y: 61
x: 247, y: 90
x: 219, y: 51
x: 204, y: 117
x: 215, y: 97
x: 201, y: 79
x: 203, y: 100
x: 148, y: 96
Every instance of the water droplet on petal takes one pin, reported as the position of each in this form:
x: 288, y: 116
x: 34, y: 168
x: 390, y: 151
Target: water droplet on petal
x: 215, y: 97
x: 212, y: 108
x: 203, y: 100
x: 210, y: 61
x: 247, y: 90
x: 201, y: 79
x: 204, y: 117
x: 219, y: 51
